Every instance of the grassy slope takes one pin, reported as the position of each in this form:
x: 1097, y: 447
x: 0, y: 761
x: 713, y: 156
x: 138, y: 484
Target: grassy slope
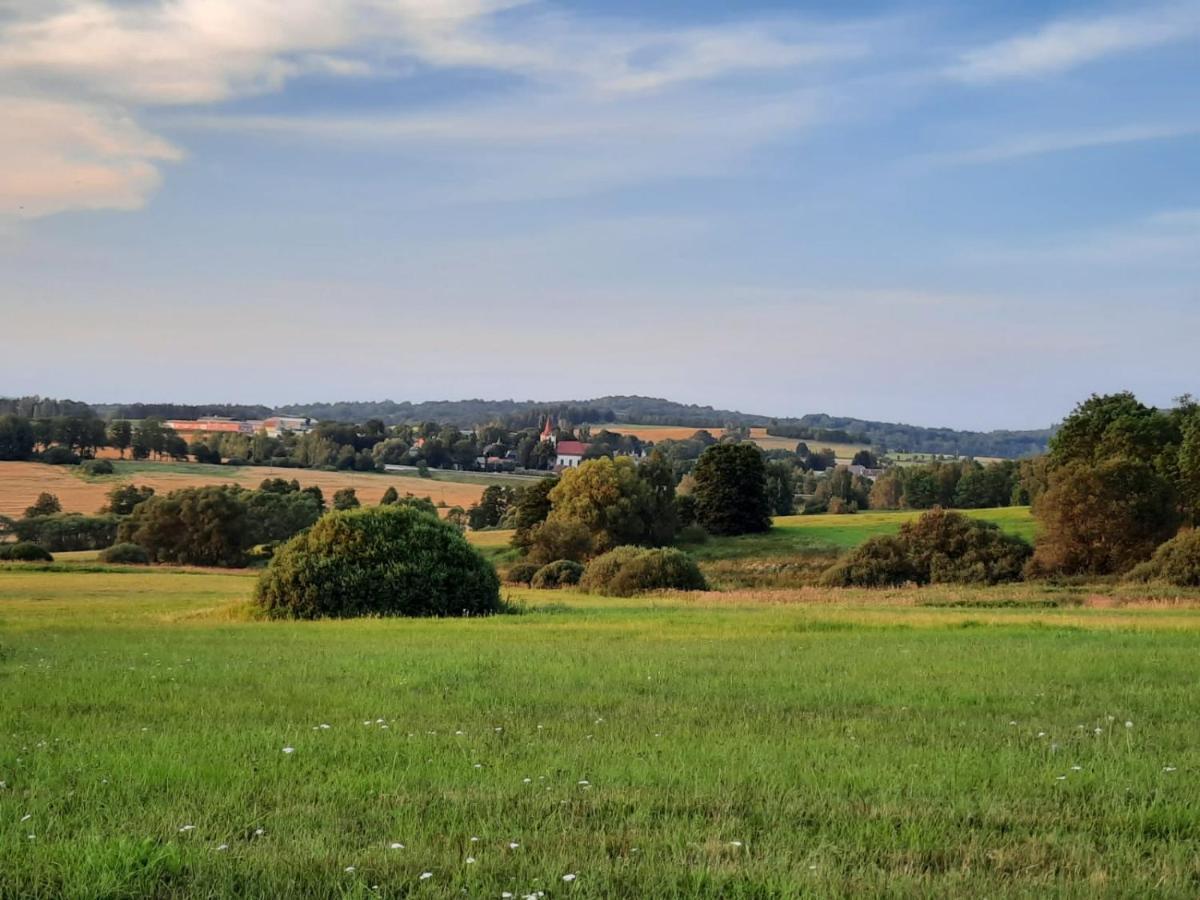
x: 852, y: 748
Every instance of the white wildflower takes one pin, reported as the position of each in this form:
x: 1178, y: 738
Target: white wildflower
x: 289, y: 749
x: 569, y: 877
x: 395, y: 845
x: 426, y: 875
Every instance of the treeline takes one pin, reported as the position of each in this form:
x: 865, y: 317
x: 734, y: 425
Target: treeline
x: 808, y: 433
x: 137, y: 411
x: 35, y: 407
x: 915, y: 438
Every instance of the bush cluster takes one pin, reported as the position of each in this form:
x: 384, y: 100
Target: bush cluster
x: 97, y: 467
x: 939, y: 547
x: 1177, y: 562
x: 61, y: 532
x: 129, y: 554
x: 560, y: 573
x: 626, y: 571
x: 521, y: 572
x: 379, y: 561
x: 24, y: 552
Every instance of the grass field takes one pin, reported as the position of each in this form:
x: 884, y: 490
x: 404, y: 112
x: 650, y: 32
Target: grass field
x: 864, y: 744
x: 799, y: 548
x: 21, y: 482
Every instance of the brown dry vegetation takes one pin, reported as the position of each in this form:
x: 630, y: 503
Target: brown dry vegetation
x: 21, y: 482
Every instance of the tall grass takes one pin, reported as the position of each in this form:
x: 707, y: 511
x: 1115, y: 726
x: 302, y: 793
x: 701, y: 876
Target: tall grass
x: 662, y: 747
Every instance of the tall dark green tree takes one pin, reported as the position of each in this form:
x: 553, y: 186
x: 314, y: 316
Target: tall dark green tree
x: 120, y: 436
x: 731, y: 490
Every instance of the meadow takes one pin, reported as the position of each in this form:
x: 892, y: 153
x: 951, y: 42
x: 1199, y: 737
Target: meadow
x: 157, y: 740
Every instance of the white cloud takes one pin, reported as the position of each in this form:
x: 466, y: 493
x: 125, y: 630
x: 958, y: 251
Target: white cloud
x: 1069, y: 43
x: 111, y: 59
x: 59, y: 155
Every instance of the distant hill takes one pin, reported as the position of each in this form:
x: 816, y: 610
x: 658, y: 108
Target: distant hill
x: 657, y: 411
x: 627, y: 409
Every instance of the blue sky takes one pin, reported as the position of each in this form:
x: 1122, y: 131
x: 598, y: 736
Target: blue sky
x: 950, y: 214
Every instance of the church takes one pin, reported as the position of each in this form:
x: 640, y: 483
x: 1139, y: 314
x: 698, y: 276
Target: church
x: 569, y: 454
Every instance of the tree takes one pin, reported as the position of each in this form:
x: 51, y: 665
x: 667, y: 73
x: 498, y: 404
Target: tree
x: 608, y: 498
x: 531, y: 508
x: 390, y: 496
x: 866, y: 459
x: 272, y: 516
x: 1102, y: 519
x: 345, y: 498
x: 120, y: 436
x: 662, y: 520
x: 781, y: 488
x: 731, y: 490
x: 492, y: 506
x: 204, y: 526
x: 16, y: 438
x: 46, y: 504
x: 888, y: 491
x: 123, y: 498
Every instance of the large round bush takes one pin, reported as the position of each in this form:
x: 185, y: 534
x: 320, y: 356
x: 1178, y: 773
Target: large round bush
x: 1177, y: 562
x: 130, y: 554
x: 626, y: 571
x: 97, y: 467
x: 379, y: 561
x: 560, y: 573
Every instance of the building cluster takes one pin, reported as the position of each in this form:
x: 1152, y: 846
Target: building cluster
x: 274, y: 426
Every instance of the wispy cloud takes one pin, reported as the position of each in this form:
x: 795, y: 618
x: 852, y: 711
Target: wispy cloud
x: 73, y: 57
x: 1060, y: 142
x: 1069, y: 43
x: 70, y: 155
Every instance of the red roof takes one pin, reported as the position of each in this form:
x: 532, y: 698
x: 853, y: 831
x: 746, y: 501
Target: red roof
x: 571, y: 448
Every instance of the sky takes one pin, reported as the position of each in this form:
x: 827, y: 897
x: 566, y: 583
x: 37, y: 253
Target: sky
x: 956, y: 214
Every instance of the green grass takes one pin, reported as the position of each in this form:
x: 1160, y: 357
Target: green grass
x: 858, y: 744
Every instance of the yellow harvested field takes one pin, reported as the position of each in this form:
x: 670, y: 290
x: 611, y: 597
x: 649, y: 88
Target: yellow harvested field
x: 21, y: 482
x: 658, y: 432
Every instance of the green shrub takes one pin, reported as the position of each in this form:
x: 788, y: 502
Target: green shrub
x: 97, y: 467
x: 60, y: 456
x: 521, y: 573
x: 881, y: 561
x: 602, y: 570
x: 693, y: 534
x: 1177, y: 562
x: 560, y: 573
x: 378, y: 561
x: 25, y: 552
x: 130, y: 554
x: 939, y: 547
x: 626, y: 571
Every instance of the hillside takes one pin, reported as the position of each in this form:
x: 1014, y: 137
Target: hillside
x: 647, y: 411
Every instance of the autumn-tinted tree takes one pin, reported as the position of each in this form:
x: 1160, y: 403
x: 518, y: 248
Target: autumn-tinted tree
x: 345, y: 498
x: 1102, y: 518
x: 608, y: 498
x: 46, y: 504
x: 731, y: 490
